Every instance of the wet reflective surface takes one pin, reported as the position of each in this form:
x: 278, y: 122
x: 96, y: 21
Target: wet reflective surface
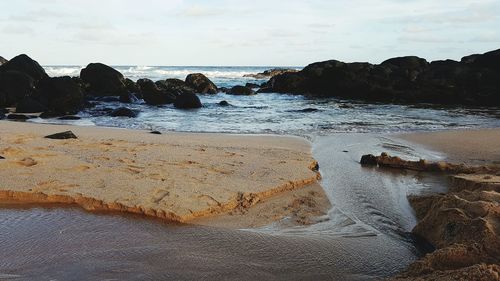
x: 364, y: 237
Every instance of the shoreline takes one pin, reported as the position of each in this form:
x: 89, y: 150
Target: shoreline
x: 463, y: 224
x: 175, y: 176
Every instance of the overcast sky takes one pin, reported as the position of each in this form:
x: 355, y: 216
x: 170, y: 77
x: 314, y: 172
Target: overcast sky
x: 257, y: 32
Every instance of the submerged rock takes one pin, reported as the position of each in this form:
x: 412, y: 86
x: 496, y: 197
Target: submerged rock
x: 62, y: 136
x: 241, y: 91
x: 187, y: 101
x: 201, y: 84
x: 224, y: 103
x: 123, y: 112
x: 103, y: 80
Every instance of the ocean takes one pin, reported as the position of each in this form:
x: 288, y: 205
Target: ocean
x: 272, y: 113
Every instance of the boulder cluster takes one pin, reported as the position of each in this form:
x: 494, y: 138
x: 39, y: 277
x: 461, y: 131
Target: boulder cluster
x: 25, y: 85
x: 475, y: 80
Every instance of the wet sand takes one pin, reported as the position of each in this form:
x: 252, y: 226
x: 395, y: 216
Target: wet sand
x: 364, y: 236
x: 175, y: 176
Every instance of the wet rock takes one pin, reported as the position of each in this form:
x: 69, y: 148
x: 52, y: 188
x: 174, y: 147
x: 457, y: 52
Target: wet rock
x: 1, y: 157
x: 175, y: 87
x: 129, y: 98
x: 62, y: 95
x: 132, y: 87
x: 153, y: 95
x: 369, y: 160
x: 201, y: 84
x: 241, y: 91
x: 472, y: 81
x: 69, y: 117
x: 252, y: 85
x: 62, y: 136
x: 103, y: 80
x: 270, y: 73
x: 16, y: 86
x: 29, y: 105
x: 224, y: 103
x: 2, y: 115
x: 2, y: 60
x: 20, y: 117
x: 223, y: 89
x: 26, y: 65
x: 123, y: 112
x: 155, y: 132
x: 187, y: 101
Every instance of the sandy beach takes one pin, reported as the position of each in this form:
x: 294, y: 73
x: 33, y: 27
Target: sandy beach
x: 175, y: 176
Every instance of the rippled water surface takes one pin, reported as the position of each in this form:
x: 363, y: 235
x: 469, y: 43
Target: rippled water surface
x: 274, y: 113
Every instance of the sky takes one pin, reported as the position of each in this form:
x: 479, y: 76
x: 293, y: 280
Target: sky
x: 257, y: 32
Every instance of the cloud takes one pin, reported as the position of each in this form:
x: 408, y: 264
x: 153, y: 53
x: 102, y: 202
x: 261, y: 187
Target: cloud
x: 16, y: 29
x: 201, y: 11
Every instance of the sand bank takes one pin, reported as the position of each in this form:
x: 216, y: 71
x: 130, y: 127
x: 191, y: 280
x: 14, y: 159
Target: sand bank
x: 463, y: 224
x: 176, y: 176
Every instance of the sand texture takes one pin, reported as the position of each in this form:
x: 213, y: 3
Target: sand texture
x: 463, y: 224
x: 175, y: 176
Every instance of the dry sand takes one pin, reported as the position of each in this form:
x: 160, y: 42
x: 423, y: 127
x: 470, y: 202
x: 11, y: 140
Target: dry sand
x: 176, y: 176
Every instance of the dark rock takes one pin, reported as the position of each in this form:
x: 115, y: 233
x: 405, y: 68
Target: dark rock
x: 2, y: 60
x: 62, y: 95
x: 16, y: 86
x: 1, y: 157
x: 29, y: 105
x: 155, y: 132
x: 473, y: 81
x: 369, y: 160
x: 105, y: 99
x: 201, y: 84
x: 49, y: 114
x: 223, y: 89
x: 3, y: 98
x: 69, y: 117
x: 270, y: 73
x: 123, y: 112
x: 154, y: 95
x: 187, y: 101
x: 252, y: 85
x: 132, y: 87
x: 20, y: 117
x: 129, y: 98
x: 103, y: 80
x: 307, y: 110
x: 26, y: 65
x: 224, y: 103
x: 62, y: 136
x: 2, y: 115
x: 175, y: 87
x: 241, y: 91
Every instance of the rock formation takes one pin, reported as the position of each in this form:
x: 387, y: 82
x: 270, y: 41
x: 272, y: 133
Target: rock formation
x: 270, y: 73
x: 201, y: 84
x: 472, y: 81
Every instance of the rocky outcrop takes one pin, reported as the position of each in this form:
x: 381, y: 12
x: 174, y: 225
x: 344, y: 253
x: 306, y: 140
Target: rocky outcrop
x: 201, y: 84
x: 241, y: 91
x: 16, y: 86
x: 103, y: 80
x: 26, y: 65
x: 187, y: 101
x: 472, y: 81
x: 61, y: 95
x: 175, y: 87
x: 29, y: 105
x: 463, y: 224
x: 153, y: 95
x: 271, y: 73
